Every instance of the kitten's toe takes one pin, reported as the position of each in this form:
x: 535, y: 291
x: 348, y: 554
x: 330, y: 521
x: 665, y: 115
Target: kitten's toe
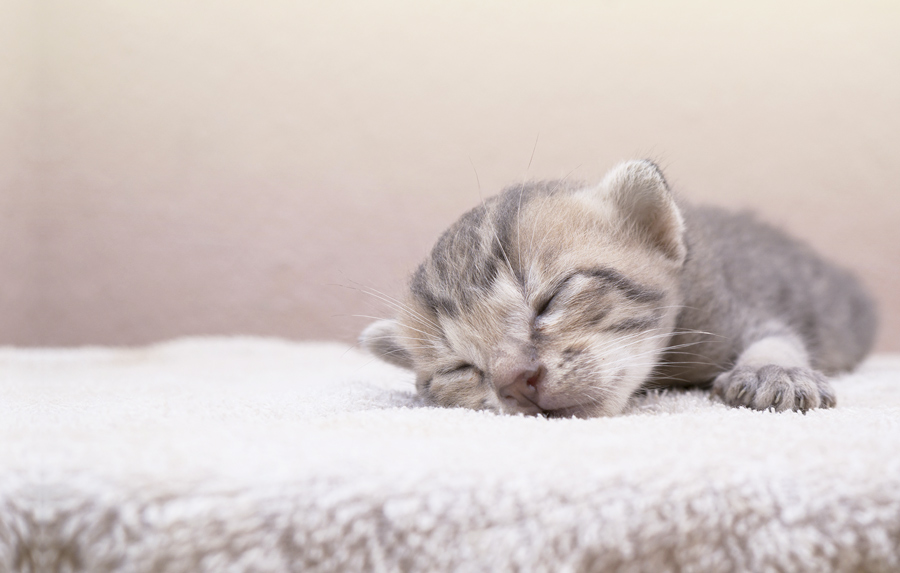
x: 827, y: 398
x: 774, y: 390
x: 736, y: 387
x: 774, y: 387
x: 811, y: 389
x: 818, y: 387
x: 806, y: 390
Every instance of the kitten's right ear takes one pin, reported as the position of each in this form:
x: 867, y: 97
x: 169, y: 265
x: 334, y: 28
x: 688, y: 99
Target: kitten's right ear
x: 640, y: 193
x: 382, y: 339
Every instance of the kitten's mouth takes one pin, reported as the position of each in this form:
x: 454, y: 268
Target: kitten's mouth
x: 533, y: 408
x: 567, y: 412
x: 563, y: 406
x: 529, y: 408
x: 533, y: 402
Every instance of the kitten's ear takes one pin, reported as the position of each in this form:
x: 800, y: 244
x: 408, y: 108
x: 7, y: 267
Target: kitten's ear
x: 642, y: 197
x: 381, y: 339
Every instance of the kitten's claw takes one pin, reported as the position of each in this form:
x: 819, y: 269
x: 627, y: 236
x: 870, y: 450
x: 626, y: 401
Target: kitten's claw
x: 775, y: 387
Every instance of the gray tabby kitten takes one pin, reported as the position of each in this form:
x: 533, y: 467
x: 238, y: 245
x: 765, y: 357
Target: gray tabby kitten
x: 564, y: 299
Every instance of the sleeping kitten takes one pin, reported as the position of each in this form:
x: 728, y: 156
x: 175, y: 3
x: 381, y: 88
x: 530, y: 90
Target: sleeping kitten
x: 563, y: 299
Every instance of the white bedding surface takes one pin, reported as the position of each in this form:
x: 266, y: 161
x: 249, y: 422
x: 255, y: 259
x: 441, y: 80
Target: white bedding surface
x: 243, y: 454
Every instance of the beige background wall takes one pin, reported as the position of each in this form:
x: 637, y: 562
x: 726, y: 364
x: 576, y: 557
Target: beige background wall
x: 18, y: 120
x: 173, y: 168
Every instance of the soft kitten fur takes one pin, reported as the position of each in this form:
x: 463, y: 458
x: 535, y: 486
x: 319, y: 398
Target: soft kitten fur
x: 563, y: 299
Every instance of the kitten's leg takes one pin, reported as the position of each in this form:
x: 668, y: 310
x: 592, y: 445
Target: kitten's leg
x: 774, y: 372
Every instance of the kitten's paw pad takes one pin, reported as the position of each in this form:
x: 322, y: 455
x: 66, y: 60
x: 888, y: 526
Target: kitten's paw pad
x: 774, y: 387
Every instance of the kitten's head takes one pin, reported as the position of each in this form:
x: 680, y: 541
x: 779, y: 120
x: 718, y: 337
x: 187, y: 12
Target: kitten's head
x: 551, y: 298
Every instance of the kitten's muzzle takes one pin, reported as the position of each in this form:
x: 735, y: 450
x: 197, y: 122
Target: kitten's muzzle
x: 521, y: 386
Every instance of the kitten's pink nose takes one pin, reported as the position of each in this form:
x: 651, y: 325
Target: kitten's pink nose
x: 521, y: 386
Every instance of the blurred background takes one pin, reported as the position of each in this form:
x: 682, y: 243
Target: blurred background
x: 176, y: 168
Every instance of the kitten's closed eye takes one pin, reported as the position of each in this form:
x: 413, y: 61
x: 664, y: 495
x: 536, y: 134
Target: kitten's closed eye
x: 545, y: 306
x: 555, y: 298
x: 461, y: 385
x: 578, y: 288
x: 463, y: 368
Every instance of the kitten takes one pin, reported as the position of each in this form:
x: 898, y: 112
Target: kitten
x: 564, y: 299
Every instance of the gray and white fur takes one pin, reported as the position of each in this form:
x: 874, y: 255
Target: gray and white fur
x: 564, y: 299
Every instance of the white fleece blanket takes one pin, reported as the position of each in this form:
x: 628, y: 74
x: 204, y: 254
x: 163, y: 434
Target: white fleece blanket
x: 268, y: 456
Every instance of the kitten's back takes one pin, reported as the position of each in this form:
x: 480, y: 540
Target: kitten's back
x: 744, y: 277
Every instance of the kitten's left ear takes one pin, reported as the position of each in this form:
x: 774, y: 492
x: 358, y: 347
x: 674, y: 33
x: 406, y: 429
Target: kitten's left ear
x: 381, y: 339
x: 642, y: 197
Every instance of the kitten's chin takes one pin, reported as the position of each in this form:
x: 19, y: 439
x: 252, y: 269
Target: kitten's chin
x: 575, y: 403
x: 515, y: 410
x: 582, y: 412
x: 612, y: 406
x: 571, y: 412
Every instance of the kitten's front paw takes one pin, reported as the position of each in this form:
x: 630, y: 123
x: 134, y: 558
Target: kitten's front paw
x: 774, y: 387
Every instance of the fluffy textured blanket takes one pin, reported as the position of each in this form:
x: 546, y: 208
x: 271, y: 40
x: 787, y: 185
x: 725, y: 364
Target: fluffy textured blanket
x: 262, y: 455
